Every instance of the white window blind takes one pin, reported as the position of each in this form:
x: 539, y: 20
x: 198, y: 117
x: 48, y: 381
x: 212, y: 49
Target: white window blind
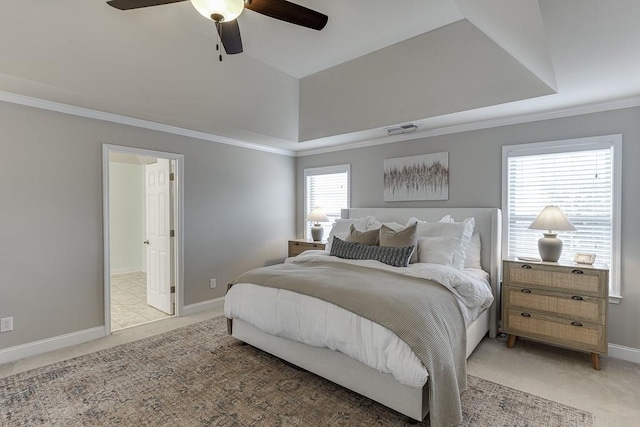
x: 579, y: 178
x: 327, y: 188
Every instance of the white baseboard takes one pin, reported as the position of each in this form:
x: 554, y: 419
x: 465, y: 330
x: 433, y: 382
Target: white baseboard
x: 38, y: 347
x: 125, y: 270
x: 629, y: 354
x: 202, y: 306
x: 74, y: 338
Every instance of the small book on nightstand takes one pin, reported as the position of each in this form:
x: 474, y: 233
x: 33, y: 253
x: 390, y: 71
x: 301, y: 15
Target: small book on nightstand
x: 529, y: 259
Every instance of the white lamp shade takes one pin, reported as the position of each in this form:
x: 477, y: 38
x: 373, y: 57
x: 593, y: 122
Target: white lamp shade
x: 316, y: 215
x: 227, y: 9
x: 552, y: 218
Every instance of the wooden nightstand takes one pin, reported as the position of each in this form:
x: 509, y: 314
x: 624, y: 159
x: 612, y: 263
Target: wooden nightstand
x: 297, y: 246
x: 560, y: 304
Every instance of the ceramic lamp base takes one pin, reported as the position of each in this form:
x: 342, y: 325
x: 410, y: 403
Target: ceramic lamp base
x: 550, y: 247
x: 316, y: 232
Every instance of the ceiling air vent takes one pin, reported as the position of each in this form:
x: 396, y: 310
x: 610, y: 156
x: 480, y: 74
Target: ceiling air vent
x: 401, y: 130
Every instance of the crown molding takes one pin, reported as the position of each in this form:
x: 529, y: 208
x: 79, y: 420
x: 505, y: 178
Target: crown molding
x: 73, y: 110
x: 483, y: 124
x: 437, y: 131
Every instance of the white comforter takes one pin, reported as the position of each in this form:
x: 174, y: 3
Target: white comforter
x: 321, y: 324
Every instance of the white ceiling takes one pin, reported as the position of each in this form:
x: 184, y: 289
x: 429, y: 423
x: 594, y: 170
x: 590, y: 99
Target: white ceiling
x: 355, y: 28
x: 158, y: 64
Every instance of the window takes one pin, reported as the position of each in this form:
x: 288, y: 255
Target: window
x: 328, y: 188
x: 582, y: 177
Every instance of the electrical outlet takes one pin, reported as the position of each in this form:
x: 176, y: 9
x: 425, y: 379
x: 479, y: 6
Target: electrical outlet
x: 6, y: 324
x: 212, y: 283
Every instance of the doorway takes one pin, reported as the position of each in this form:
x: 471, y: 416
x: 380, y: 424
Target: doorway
x: 142, y: 227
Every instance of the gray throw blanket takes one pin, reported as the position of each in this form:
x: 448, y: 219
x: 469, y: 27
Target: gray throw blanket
x: 422, y: 313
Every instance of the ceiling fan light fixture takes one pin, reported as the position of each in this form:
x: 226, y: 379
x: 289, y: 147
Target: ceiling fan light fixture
x: 219, y: 10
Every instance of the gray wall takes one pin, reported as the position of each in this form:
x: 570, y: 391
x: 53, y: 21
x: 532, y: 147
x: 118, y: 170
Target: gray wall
x: 239, y: 213
x: 475, y: 180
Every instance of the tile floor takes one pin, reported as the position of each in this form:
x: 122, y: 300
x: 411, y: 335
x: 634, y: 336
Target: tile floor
x: 129, y: 301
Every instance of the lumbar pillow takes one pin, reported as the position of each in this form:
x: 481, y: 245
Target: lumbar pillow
x: 395, y: 256
x: 400, y: 238
x: 365, y: 237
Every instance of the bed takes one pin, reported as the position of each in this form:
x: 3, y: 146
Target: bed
x: 405, y: 397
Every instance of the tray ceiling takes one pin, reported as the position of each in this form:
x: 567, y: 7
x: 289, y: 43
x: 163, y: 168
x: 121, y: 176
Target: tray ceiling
x: 159, y: 64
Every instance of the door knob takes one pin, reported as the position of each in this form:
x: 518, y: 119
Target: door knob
x: 146, y: 242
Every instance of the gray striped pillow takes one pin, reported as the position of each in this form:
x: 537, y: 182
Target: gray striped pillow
x: 395, y: 256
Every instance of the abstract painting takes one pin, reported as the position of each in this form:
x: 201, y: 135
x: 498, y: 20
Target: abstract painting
x: 424, y: 177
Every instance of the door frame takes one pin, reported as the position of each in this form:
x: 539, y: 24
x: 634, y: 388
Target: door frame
x: 177, y: 209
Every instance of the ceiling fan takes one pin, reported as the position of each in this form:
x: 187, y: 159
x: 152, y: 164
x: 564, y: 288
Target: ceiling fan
x: 225, y: 12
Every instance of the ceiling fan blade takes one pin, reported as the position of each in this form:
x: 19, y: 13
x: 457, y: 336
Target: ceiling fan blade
x: 137, y: 4
x: 289, y: 12
x: 230, y: 36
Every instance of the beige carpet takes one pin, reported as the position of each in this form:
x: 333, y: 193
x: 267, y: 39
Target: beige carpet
x: 199, y: 376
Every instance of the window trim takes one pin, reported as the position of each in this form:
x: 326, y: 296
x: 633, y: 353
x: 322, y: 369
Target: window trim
x: 323, y: 170
x: 614, y: 141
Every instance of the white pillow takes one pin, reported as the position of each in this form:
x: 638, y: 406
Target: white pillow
x: 342, y: 227
x: 446, y: 218
x: 461, y: 230
x: 437, y: 250
x: 472, y: 260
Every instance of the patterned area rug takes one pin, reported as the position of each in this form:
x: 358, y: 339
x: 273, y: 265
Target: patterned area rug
x: 199, y: 376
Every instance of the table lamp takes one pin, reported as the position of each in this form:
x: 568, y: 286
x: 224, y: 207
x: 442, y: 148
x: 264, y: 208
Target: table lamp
x: 551, y: 218
x: 317, y: 216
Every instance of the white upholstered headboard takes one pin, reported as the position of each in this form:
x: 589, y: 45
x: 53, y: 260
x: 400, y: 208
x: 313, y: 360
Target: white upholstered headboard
x: 488, y: 225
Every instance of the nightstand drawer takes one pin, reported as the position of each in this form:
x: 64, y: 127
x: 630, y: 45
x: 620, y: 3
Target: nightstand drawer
x: 573, y: 334
x: 569, y: 306
x: 296, y: 247
x: 583, y: 281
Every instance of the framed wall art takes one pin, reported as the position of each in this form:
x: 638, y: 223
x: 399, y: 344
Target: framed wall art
x: 424, y: 177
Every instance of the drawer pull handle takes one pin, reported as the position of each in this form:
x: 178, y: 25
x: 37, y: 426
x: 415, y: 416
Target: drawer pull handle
x: 315, y: 246
x: 576, y: 298
x: 525, y: 315
x: 576, y: 323
x: 526, y: 266
x: 526, y: 291
x: 576, y: 271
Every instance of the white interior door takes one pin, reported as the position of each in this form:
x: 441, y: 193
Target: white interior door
x: 158, y: 236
